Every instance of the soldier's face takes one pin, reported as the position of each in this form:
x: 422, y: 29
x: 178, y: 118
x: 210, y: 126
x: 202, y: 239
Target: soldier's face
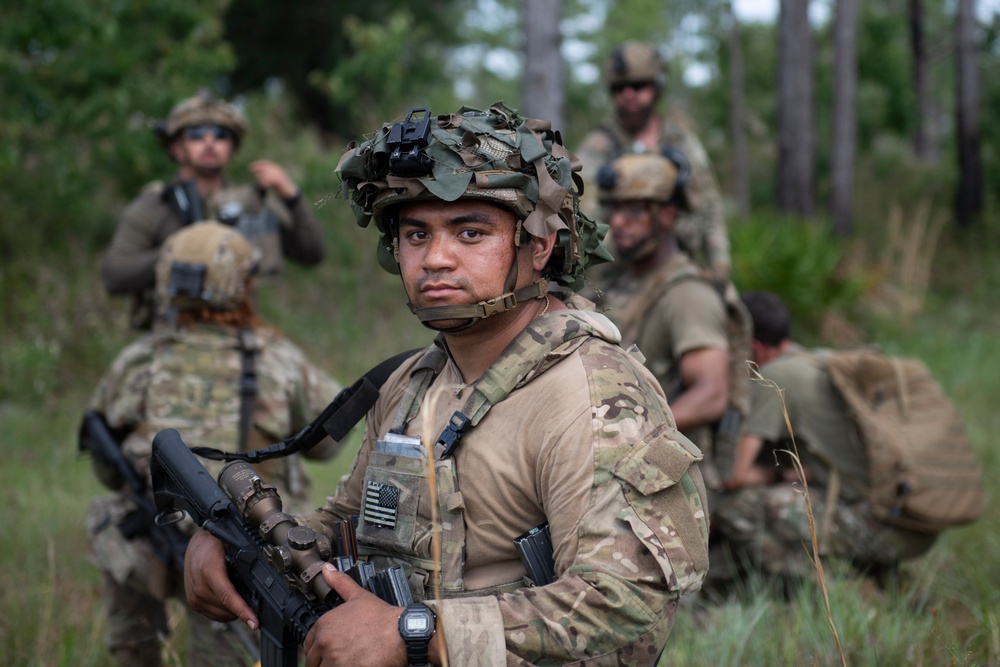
x: 632, y: 229
x: 204, y: 152
x: 457, y: 253
x: 634, y: 103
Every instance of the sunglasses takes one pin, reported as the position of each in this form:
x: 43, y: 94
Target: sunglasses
x: 199, y: 132
x: 629, y: 210
x: 634, y: 85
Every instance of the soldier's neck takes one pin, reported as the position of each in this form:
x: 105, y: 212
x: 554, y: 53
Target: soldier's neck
x: 475, y: 349
x: 649, y: 134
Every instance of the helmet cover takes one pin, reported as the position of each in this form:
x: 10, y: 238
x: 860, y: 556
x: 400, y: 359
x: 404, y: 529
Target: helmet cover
x: 633, y: 62
x: 496, y: 155
x: 203, y: 109
x: 206, y: 264
x: 638, y: 177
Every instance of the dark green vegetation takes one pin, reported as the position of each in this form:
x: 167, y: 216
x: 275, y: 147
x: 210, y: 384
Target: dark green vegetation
x: 80, y: 81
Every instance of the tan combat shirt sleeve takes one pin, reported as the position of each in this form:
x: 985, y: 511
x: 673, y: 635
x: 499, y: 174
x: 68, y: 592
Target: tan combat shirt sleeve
x: 302, y: 238
x: 129, y: 264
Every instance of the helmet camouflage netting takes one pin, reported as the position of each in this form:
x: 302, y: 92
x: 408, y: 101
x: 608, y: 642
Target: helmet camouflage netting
x: 496, y: 155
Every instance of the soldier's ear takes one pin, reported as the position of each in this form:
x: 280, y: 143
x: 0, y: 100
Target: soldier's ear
x: 541, y: 250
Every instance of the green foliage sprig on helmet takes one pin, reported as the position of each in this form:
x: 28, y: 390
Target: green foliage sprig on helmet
x: 497, y: 155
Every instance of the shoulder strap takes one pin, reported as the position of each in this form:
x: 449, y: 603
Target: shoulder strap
x: 423, y: 374
x: 248, y: 384
x: 617, y: 145
x: 555, y: 331
x: 668, y: 276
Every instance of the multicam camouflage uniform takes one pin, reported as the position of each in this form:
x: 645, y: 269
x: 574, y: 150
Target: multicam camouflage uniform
x: 189, y: 379
x: 769, y: 523
x: 577, y: 433
x: 277, y: 229
x: 701, y: 224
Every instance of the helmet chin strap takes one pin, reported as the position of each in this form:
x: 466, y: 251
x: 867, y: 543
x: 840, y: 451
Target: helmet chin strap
x: 473, y: 312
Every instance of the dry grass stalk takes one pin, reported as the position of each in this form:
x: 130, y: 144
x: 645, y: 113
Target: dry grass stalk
x: 428, y: 439
x: 814, y: 556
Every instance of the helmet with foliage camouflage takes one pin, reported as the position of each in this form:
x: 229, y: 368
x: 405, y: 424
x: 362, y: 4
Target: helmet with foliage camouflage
x: 496, y: 155
x: 635, y: 62
x: 202, y: 109
x: 638, y: 177
x: 204, y: 265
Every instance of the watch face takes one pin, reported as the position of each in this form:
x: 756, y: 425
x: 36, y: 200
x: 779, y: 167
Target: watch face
x: 417, y: 624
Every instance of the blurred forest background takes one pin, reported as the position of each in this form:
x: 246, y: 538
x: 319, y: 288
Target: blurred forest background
x: 855, y: 151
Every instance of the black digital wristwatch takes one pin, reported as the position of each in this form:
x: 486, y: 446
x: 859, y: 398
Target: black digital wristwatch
x: 417, y: 624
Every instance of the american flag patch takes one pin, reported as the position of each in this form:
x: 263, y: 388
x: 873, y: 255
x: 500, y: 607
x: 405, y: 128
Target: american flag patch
x: 380, y: 504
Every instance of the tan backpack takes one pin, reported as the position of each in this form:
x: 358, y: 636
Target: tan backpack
x: 924, y: 474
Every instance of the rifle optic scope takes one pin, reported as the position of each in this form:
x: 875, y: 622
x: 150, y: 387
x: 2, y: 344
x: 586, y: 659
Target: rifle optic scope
x: 298, y: 552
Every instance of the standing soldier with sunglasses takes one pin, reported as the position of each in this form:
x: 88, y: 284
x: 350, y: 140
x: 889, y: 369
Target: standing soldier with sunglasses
x: 636, y: 77
x: 201, y: 134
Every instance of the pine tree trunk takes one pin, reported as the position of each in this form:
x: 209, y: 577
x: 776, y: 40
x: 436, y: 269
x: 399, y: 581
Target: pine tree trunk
x: 925, y: 147
x: 543, y: 64
x: 845, y: 83
x: 737, y: 116
x: 796, y: 114
x: 969, y: 198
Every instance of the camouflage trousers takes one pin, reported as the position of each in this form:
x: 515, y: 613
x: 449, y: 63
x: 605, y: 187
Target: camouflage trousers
x: 769, y: 525
x: 135, y: 589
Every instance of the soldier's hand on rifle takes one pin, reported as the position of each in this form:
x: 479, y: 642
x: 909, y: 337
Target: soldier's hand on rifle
x: 271, y: 175
x: 206, y: 582
x: 362, y: 631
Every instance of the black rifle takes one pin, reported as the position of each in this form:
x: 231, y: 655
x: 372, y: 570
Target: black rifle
x: 182, y: 484
x: 168, y: 543
x: 274, y: 565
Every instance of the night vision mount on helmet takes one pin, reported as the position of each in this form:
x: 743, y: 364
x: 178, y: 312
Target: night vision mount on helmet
x: 495, y: 155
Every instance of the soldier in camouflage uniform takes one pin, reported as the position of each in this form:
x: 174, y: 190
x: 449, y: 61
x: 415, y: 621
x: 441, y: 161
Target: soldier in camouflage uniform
x: 635, y: 76
x: 763, y: 517
x: 660, y: 300
x: 201, y: 134
x: 189, y: 377
x: 552, y: 422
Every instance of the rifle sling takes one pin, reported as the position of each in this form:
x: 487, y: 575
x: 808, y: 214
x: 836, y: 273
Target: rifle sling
x: 336, y: 420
